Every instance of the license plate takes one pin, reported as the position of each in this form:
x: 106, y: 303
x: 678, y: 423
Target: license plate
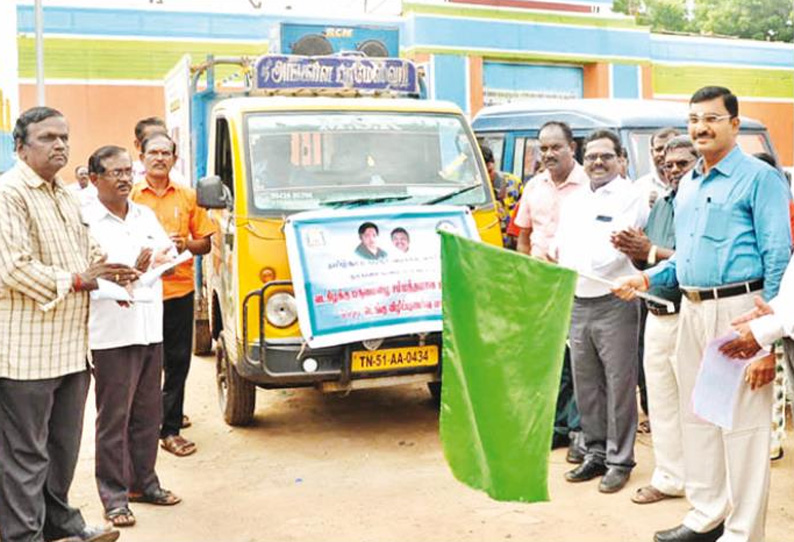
x: 394, y: 358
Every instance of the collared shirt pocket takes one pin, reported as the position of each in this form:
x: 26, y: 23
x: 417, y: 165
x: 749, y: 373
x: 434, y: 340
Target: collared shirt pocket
x: 717, y: 222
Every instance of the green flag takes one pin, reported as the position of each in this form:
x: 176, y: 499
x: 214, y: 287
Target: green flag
x: 506, y: 318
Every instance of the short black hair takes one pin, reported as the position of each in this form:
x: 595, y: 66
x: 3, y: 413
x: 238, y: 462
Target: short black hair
x: 365, y: 226
x: 399, y: 230
x: 706, y: 94
x: 158, y: 135
x: 663, y: 132
x: 487, y: 154
x: 605, y: 134
x: 142, y: 124
x: 566, y: 129
x: 99, y: 155
x: 31, y: 116
x: 766, y: 157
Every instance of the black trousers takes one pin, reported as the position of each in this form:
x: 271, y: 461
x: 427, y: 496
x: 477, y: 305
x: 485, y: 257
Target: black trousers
x: 177, y: 346
x: 566, y: 417
x: 41, y: 422
x: 129, y: 407
x: 641, y: 352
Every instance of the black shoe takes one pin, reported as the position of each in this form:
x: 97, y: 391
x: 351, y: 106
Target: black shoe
x: 685, y: 534
x: 586, y: 471
x: 93, y: 534
x: 559, y: 441
x: 575, y: 454
x: 614, y: 480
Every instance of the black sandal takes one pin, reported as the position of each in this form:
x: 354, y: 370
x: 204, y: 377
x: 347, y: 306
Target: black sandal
x: 158, y: 497
x: 120, y: 517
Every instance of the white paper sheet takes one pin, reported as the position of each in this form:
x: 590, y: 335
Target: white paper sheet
x: 151, y: 276
x: 110, y: 290
x: 715, y: 392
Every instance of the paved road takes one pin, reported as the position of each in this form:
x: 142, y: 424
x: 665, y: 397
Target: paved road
x: 369, y: 466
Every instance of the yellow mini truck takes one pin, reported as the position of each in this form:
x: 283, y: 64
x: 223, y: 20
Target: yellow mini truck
x: 330, y: 135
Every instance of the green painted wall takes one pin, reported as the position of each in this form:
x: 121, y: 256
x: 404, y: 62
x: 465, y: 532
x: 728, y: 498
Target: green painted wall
x: 668, y: 79
x: 75, y: 58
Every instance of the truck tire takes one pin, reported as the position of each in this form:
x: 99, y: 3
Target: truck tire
x: 236, y: 396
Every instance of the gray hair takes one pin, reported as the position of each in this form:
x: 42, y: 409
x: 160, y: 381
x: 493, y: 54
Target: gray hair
x: 681, y: 142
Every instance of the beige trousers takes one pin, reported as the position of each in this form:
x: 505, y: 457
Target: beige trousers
x: 663, y: 402
x: 727, y: 471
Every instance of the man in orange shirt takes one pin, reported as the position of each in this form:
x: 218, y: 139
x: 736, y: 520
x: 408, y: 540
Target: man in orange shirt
x: 190, y: 228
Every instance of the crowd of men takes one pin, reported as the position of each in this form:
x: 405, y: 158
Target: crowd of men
x: 75, y: 300
x: 707, y: 231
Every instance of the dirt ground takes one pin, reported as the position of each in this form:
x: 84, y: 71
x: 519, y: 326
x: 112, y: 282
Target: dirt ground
x: 369, y: 466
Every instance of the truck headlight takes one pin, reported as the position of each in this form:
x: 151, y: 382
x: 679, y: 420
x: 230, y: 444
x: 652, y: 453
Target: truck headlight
x: 281, y: 310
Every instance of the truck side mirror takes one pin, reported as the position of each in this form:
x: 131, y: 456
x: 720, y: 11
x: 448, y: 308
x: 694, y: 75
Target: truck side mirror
x: 211, y: 193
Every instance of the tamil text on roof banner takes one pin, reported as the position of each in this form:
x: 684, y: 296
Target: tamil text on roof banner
x: 370, y: 273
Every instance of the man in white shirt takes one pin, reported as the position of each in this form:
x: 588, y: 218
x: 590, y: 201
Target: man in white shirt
x: 654, y: 184
x: 126, y: 341
x: 83, y: 189
x: 604, y: 330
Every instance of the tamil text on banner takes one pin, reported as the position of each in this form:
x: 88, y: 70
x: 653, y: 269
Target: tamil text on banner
x: 506, y: 318
x: 370, y: 273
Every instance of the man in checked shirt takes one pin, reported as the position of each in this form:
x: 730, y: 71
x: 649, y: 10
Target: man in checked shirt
x: 48, y: 264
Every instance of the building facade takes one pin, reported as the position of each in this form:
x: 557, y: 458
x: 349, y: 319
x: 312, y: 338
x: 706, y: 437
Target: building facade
x: 105, y: 60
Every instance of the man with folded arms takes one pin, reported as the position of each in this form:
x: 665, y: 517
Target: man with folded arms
x: 127, y: 344
x: 732, y: 239
x: 647, y: 249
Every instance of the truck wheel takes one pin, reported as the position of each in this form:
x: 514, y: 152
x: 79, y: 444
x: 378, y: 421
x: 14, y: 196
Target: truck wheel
x: 202, y: 338
x: 236, y: 396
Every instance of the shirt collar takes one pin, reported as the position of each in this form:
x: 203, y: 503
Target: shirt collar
x: 726, y: 166
x: 97, y: 211
x: 34, y: 180
x: 146, y: 186
x: 612, y: 186
x: 577, y: 175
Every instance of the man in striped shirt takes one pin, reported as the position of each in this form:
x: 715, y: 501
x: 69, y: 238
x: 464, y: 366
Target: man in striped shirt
x: 48, y: 264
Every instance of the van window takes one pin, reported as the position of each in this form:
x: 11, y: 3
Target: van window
x: 223, y: 154
x: 302, y: 161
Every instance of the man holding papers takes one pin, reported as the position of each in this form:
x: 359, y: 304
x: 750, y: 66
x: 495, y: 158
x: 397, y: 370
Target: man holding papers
x: 126, y: 340
x: 732, y: 239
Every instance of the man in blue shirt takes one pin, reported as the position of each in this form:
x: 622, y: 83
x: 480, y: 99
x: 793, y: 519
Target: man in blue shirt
x: 732, y: 239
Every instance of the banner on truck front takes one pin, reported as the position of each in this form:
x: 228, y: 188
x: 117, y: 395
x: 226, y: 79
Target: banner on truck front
x: 370, y: 273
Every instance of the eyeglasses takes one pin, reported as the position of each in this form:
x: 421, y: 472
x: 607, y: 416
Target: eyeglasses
x: 605, y: 157
x: 118, y: 173
x: 707, y: 118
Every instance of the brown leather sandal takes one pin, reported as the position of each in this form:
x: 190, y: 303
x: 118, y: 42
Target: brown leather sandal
x: 178, y: 445
x: 649, y: 495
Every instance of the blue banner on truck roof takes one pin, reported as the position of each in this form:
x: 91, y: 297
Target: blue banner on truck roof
x: 275, y: 72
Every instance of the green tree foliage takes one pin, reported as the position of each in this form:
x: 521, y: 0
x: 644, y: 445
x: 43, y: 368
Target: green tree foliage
x: 769, y: 20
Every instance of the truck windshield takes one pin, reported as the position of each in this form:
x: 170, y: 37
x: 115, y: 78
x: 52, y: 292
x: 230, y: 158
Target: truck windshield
x: 305, y: 161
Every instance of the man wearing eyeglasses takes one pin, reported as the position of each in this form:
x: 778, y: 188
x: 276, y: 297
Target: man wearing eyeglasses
x: 646, y: 249
x: 732, y: 239
x: 190, y: 228
x: 604, y: 330
x: 126, y: 343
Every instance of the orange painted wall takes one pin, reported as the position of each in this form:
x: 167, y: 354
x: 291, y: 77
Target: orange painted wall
x: 779, y: 120
x: 596, y: 80
x: 97, y: 114
x: 476, y: 92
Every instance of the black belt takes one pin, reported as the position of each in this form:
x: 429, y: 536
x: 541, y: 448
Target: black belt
x: 696, y: 296
x: 661, y: 310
